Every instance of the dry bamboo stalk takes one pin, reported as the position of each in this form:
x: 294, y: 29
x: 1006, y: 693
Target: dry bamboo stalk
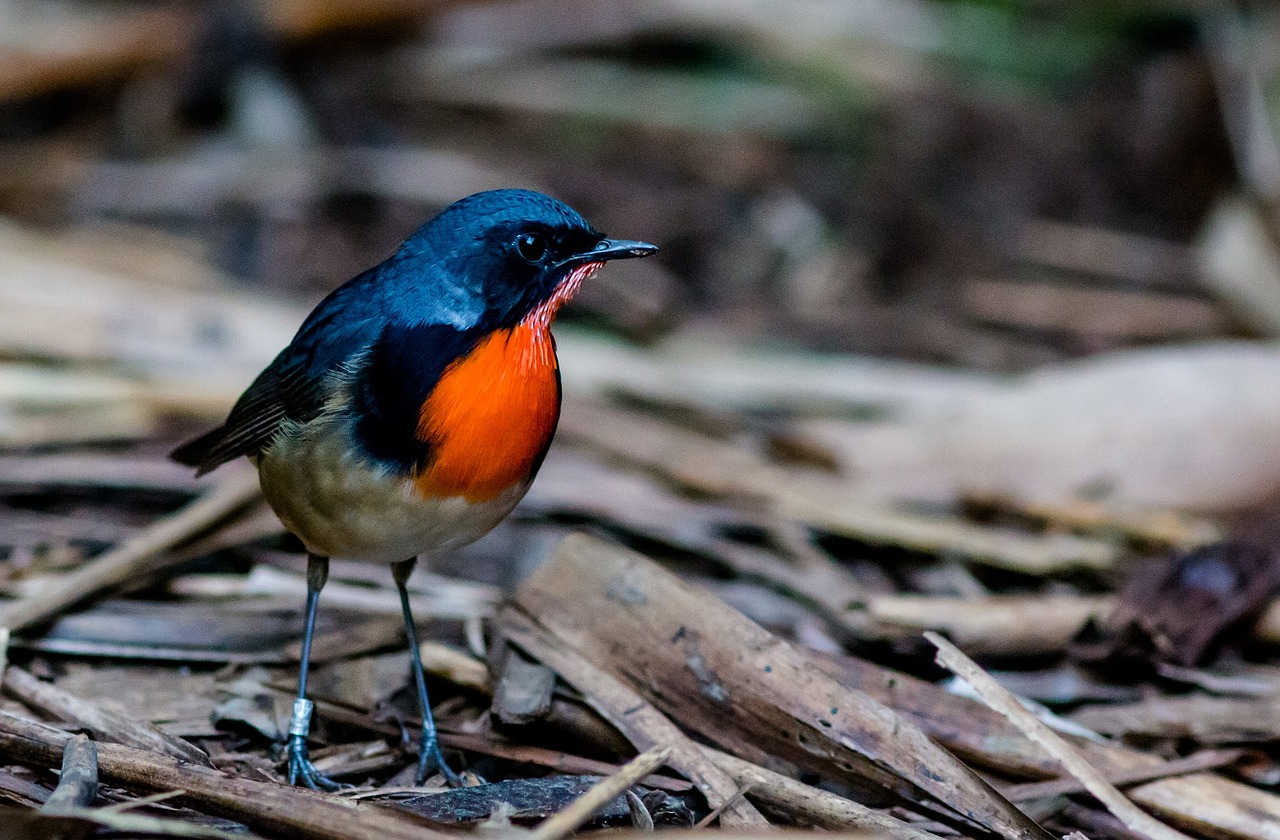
x: 598, y: 795
x: 103, y: 723
x: 273, y: 809
x: 712, y: 466
x: 996, y: 625
x: 995, y: 696
x: 739, y: 686
x: 1194, y: 763
x: 1010, y: 624
x: 1175, y: 529
x: 455, y: 666
x: 135, y: 557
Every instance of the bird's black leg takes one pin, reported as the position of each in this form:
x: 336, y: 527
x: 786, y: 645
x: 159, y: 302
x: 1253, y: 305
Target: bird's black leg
x: 429, y: 755
x: 300, y: 767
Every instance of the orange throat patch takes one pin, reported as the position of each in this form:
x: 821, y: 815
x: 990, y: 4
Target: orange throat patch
x: 494, y: 411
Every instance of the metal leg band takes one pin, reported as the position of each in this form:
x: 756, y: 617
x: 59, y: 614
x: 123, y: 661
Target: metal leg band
x: 300, y: 723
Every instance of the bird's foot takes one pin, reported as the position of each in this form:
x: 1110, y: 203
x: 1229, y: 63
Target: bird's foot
x: 301, y: 770
x: 430, y: 758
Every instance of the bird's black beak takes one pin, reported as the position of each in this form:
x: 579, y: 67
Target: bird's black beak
x: 620, y: 249
x: 611, y: 249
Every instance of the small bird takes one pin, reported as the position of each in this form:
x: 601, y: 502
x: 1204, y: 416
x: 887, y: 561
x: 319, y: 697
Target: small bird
x: 416, y: 403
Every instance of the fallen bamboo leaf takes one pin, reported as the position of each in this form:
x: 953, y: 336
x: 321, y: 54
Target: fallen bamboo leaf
x: 564, y: 823
x: 737, y: 685
x: 641, y: 819
x: 994, y: 695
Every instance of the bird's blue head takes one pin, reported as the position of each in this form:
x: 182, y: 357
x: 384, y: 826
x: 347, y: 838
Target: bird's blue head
x: 510, y: 255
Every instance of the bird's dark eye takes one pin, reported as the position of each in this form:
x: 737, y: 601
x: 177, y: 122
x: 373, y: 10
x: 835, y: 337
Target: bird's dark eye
x: 531, y: 247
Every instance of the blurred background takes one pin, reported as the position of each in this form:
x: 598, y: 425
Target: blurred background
x: 891, y: 230
x: 990, y: 184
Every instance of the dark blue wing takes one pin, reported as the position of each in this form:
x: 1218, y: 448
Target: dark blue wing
x: 297, y: 384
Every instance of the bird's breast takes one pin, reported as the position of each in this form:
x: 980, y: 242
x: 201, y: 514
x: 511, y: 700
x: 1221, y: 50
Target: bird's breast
x: 489, y: 419
x: 341, y: 504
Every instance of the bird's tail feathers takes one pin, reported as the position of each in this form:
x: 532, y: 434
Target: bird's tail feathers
x: 199, y: 452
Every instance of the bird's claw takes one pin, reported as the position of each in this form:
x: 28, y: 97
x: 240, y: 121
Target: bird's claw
x: 430, y: 758
x: 301, y: 770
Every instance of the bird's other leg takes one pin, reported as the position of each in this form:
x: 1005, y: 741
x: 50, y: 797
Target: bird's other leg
x: 300, y: 767
x: 429, y: 755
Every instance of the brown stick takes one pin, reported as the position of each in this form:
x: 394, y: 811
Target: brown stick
x: 598, y: 795
x: 273, y: 809
x: 134, y: 557
x: 78, y: 784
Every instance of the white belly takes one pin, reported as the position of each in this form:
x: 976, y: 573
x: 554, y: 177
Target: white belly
x: 341, y: 505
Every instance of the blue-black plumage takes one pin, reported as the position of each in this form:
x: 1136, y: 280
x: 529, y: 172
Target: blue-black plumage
x: 415, y: 404
x: 483, y: 263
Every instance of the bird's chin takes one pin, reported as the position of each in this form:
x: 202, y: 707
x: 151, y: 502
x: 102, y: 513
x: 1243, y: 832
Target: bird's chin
x: 545, y: 312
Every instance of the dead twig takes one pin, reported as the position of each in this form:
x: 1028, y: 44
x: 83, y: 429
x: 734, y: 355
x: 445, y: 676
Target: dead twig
x: 714, y: 814
x: 995, y: 696
x: 564, y: 823
x: 78, y: 784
